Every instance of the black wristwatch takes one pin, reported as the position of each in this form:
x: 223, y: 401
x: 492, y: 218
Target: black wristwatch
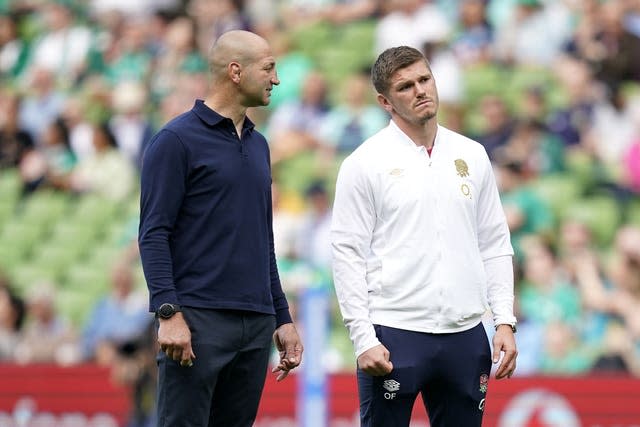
x: 167, y: 310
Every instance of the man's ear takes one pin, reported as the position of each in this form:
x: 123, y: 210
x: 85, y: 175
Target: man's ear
x: 234, y: 71
x: 384, y: 103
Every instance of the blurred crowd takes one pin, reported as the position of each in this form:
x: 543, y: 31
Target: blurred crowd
x: 551, y: 88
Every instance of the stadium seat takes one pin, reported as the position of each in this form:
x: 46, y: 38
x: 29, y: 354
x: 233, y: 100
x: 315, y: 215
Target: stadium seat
x: 87, y: 277
x: 76, y: 305
x: 481, y: 80
x: 632, y: 212
x: 95, y: 210
x: 20, y: 235
x: 10, y: 184
x: 27, y: 275
x: 600, y: 213
x: 558, y: 191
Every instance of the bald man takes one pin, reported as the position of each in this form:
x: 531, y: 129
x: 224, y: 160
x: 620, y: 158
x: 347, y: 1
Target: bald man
x: 206, y: 242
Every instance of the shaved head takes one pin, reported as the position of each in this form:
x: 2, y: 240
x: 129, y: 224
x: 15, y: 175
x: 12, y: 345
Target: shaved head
x: 243, y: 72
x: 238, y: 46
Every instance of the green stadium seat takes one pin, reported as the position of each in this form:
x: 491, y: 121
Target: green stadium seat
x: 312, y: 38
x: 481, y: 80
x: 75, y: 237
x: 7, y: 210
x: 21, y: 236
x: 558, y: 191
x: 26, y: 276
x: 87, y: 277
x: 44, y: 205
x: 10, y: 184
x: 54, y: 257
x: 600, y: 213
x: 632, y: 212
x: 76, y: 304
x: 103, y: 256
x: 11, y: 257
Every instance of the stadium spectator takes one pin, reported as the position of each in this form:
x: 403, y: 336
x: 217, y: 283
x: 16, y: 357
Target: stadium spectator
x: 75, y: 115
x: 129, y: 123
x: 533, y: 35
x: 15, y: 141
x: 344, y: 12
x: 177, y: 53
x: 49, y: 164
x: 286, y: 223
x: 140, y: 9
x: 527, y: 214
x: 63, y: 45
x: 539, y: 151
x: 313, y: 243
x: 618, y: 59
x: 403, y: 23
x: 293, y: 67
x: 571, y: 121
x: 354, y: 118
x: 545, y: 295
x: 107, y: 173
x: 294, y: 127
x: 212, y: 19
x: 13, y: 49
x: 47, y: 336
x: 625, y: 275
x: 130, y: 57
x: 533, y: 105
x: 472, y: 38
x: 631, y: 163
x: 618, y: 353
x: 564, y: 354
x: 631, y: 18
x: 42, y: 102
x: 12, y: 315
x: 103, y: 339
x: 497, y: 123
x: 614, y: 119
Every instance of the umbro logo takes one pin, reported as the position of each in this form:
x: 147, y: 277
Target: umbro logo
x: 391, y: 385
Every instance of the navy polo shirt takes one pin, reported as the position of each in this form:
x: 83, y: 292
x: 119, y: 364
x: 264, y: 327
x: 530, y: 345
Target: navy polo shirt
x: 206, y: 236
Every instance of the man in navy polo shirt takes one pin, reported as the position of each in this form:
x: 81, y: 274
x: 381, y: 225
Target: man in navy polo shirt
x: 206, y: 242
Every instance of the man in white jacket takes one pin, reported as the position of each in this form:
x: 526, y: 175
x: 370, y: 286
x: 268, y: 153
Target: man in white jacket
x: 421, y: 250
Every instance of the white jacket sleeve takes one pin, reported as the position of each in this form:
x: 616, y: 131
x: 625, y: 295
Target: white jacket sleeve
x: 494, y: 240
x: 500, y: 289
x: 353, y: 221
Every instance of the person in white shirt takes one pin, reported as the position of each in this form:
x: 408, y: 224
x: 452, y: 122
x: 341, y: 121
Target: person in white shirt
x: 421, y: 250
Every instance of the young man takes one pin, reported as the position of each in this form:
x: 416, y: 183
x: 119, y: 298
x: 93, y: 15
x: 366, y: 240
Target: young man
x: 421, y: 251
x: 206, y: 242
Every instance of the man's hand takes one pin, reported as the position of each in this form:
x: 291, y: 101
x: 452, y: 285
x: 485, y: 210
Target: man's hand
x: 174, y: 338
x: 375, y: 361
x: 504, y: 341
x: 290, y: 349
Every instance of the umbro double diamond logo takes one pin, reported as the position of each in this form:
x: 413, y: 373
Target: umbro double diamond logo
x: 392, y: 386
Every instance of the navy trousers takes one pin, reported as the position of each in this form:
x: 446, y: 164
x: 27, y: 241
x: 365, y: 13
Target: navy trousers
x: 451, y: 371
x: 225, y: 383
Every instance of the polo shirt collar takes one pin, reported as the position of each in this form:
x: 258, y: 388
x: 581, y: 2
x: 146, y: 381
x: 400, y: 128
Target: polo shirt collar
x: 212, y: 118
x: 405, y: 140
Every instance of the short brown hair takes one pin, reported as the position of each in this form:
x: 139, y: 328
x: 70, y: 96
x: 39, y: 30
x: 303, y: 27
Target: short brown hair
x: 390, y: 61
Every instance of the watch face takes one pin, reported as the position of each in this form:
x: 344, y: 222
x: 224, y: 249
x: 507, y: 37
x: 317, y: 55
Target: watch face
x: 166, y: 311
